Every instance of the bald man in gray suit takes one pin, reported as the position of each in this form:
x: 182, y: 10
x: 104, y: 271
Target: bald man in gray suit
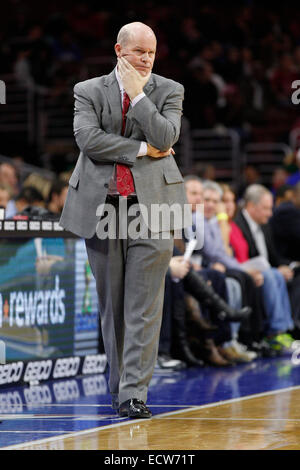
x: 134, y: 148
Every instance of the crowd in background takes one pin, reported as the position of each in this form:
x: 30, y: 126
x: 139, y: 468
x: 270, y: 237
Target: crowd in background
x: 237, y: 62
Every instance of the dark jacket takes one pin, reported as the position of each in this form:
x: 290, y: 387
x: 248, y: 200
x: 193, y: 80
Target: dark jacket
x: 275, y: 259
x: 285, y: 224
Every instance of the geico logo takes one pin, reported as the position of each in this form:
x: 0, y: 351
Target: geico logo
x: 67, y: 390
x: 96, y: 385
x: 38, y: 395
x: 11, y: 372
x: 38, y: 370
x: 11, y: 402
x: 94, y: 364
x: 66, y: 367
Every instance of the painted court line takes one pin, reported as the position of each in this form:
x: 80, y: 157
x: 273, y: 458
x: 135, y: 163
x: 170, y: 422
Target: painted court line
x: 33, y: 432
x: 160, y: 416
x: 78, y: 405
x: 234, y: 419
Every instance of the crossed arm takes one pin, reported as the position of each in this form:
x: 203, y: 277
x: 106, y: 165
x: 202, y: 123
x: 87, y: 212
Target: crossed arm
x: 161, y: 130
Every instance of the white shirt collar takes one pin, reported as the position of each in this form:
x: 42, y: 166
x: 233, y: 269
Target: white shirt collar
x: 254, y: 226
x: 119, y: 80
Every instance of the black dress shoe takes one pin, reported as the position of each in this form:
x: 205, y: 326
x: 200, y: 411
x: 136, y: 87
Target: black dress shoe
x: 134, y: 408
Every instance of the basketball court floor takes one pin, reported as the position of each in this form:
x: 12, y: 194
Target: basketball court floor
x: 246, y: 407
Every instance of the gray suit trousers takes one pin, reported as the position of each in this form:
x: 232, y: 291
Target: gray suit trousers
x: 130, y: 276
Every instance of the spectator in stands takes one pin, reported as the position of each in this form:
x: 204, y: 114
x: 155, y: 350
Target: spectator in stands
x: 65, y: 48
x: 252, y: 221
x: 28, y: 197
x: 250, y: 175
x: 242, y: 48
x: 282, y: 77
x: 5, y: 195
x: 233, y: 114
x: 34, y: 65
x: 295, y: 177
x: 57, y: 196
x: 284, y: 193
x: 9, y: 177
x: 191, y: 38
x: 279, y: 177
x: 233, y: 67
x: 199, y: 84
x: 258, y: 97
x: 285, y: 223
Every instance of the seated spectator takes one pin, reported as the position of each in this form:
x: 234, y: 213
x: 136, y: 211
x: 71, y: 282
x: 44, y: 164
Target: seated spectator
x: 214, y: 254
x: 285, y: 223
x: 271, y: 288
x: 57, y: 197
x: 5, y: 195
x: 182, y: 279
x: 284, y: 194
x: 252, y: 221
x: 9, y: 176
x: 39, y: 182
x: 28, y: 197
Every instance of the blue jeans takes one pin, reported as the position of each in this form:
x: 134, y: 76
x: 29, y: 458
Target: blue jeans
x: 235, y: 301
x: 277, y: 303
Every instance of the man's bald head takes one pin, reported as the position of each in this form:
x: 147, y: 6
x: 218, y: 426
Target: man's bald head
x: 130, y: 30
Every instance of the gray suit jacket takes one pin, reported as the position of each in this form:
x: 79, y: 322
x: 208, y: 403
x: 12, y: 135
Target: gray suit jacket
x: 156, y: 119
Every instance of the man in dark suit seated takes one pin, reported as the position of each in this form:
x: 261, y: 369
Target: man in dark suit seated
x: 285, y: 224
x: 253, y: 222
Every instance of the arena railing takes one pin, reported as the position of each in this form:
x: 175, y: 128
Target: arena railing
x: 217, y: 148
x: 266, y: 157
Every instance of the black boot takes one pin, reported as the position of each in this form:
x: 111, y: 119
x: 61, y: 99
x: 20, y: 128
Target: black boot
x: 181, y: 348
x: 195, y: 316
x: 196, y: 285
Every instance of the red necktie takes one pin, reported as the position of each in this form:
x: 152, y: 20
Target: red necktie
x: 125, y: 184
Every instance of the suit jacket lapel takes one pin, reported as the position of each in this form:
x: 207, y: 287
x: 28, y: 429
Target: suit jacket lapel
x: 149, y: 86
x: 114, y: 100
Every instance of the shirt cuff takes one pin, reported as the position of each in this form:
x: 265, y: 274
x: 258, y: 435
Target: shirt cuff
x: 143, y: 149
x: 137, y: 99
